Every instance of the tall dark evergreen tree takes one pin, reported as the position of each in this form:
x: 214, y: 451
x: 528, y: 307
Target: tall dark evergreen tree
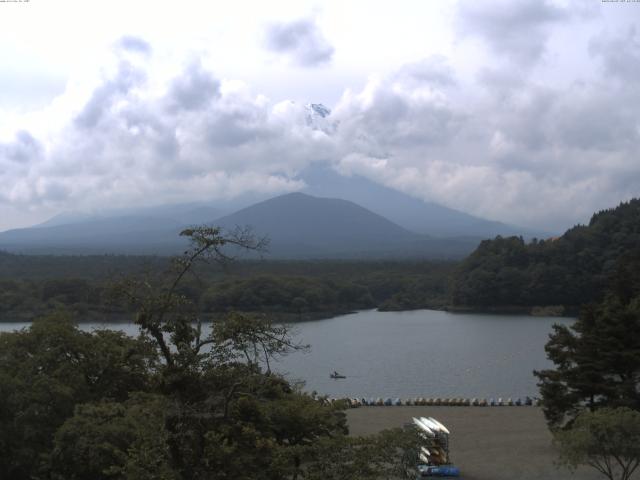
x: 598, y: 358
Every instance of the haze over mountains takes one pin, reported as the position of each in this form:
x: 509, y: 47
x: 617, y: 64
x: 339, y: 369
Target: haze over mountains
x: 302, y: 226
x: 361, y: 220
x: 411, y: 213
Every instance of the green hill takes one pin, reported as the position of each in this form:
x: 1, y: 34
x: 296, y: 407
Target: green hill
x: 570, y: 270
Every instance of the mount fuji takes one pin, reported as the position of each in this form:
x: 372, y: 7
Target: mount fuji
x: 343, y: 216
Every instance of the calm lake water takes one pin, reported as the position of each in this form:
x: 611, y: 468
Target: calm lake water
x: 419, y: 353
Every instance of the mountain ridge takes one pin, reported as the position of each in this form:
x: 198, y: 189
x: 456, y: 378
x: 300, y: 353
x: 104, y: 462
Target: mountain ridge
x: 298, y: 225
x: 423, y: 217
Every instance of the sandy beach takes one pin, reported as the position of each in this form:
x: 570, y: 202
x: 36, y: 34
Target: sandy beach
x: 486, y: 443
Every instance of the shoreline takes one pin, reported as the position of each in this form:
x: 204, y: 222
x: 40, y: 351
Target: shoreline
x: 292, y: 318
x: 560, y: 311
x: 118, y: 318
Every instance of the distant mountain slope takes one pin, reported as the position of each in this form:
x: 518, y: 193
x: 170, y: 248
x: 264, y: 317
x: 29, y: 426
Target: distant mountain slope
x: 130, y: 235
x: 322, y: 224
x: 145, y: 230
x: 569, y: 270
x: 409, y: 212
x: 183, y: 213
x: 65, y: 218
x: 300, y: 225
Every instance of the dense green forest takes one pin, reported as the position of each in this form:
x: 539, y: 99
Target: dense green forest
x: 503, y: 273
x: 569, y: 271
x: 291, y: 290
x: 78, y: 405
x: 172, y: 403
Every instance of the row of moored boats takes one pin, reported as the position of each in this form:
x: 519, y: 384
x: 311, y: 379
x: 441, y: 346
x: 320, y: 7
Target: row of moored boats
x: 447, y: 402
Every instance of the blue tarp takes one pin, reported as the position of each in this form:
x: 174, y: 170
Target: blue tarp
x: 440, y: 471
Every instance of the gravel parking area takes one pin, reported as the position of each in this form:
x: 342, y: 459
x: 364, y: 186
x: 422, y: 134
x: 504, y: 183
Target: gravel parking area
x: 486, y: 443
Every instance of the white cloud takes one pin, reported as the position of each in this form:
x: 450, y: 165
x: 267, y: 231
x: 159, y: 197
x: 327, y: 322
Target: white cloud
x: 542, y: 156
x: 516, y: 30
x: 197, y: 138
x: 620, y: 53
x: 301, y: 41
x: 488, y: 131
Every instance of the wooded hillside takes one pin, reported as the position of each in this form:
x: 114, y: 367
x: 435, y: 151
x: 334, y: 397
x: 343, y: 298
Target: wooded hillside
x: 570, y: 270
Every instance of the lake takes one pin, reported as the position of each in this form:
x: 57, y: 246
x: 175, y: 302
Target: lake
x: 425, y: 353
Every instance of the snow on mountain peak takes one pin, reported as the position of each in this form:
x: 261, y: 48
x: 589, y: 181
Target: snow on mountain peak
x: 319, y: 109
x: 317, y: 118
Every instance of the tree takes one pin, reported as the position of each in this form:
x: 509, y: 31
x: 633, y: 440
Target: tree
x: 108, y: 440
x: 228, y: 415
x: 176, y: 403
x: 167, y: 316
x: 253, y: 339
x: 300, y: 305
x: 49, y: 369
x: 390, y: 454
x: 598, y: 358
x: 606, y: 439
x: 569, y: 270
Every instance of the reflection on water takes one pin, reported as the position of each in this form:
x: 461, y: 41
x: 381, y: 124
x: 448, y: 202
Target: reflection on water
x: 419, y: 353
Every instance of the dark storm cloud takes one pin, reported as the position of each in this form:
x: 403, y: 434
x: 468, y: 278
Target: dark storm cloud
x: 301, y: 40
x: 516, y: 30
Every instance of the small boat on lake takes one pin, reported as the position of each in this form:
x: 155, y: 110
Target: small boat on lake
x: 336, y: 375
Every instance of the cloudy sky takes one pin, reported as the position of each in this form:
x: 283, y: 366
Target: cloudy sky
x: 521, y: 111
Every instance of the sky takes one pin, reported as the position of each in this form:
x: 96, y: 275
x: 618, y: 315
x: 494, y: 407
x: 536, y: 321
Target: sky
x: 520, y: 111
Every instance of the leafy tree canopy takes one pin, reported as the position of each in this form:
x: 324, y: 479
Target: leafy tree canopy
x: 569, y: 270
x: 175, y: 403
x: 606, y: 439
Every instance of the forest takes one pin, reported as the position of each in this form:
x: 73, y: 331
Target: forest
x: 567, y: 271
x: 503, y: 273
x: 173, y: 403
x: 293, y: 290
